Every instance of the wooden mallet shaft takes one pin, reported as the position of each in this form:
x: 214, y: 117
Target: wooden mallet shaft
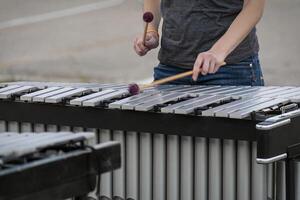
x: 145, y: 33
x: 135, y: 88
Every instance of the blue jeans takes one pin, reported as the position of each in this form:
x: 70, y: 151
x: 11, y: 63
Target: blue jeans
x: 246, y: 72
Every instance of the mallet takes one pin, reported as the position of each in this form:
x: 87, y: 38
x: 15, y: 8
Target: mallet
x: 136, y: 89
x: 148, y: 18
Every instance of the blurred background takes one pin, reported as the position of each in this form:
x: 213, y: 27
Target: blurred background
x: 91, y: 41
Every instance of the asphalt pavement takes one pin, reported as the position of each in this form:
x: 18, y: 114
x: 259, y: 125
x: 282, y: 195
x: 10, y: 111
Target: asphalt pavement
x: 91, y: 41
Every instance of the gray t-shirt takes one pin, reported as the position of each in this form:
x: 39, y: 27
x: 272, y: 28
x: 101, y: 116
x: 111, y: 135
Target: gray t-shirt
x: 193, y: 26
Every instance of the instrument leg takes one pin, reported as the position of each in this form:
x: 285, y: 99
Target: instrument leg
x: 290, y: 169
x: 259, y: 177
x: 280, y: 181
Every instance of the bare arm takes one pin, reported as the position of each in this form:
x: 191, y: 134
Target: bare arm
x: 153, y: 6
x: 240, y: 28
x: 209, y: 62
x: 152, y: 37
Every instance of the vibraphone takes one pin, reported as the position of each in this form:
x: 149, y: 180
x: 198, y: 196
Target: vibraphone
x: 53, y: 165
x: 178, y: 142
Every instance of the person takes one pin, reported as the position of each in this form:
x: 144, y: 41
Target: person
x: 201, y: 35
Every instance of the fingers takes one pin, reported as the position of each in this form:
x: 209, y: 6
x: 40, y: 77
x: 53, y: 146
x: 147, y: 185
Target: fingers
x: 151, y: 42
x: 139, y: 47
x: 206, y: 63
x: 197, y: 67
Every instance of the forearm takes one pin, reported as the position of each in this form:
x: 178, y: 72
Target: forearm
x: 153, y: 6
x: 240, y: 28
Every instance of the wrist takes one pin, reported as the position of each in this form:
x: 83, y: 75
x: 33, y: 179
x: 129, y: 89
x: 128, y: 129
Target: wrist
x: 220, y: 53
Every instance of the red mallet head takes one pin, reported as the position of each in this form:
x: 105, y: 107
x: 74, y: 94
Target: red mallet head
x: 134, y: 89
x: 148, y: 17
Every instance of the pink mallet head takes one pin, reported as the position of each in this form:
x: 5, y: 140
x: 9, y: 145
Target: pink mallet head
x: 134, y: 89
x: 148, y: 17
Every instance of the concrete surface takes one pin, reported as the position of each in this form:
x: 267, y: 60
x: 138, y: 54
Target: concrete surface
x: 91, y: 40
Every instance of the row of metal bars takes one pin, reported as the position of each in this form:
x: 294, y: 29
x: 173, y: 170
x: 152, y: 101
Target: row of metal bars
x: 171, y: 167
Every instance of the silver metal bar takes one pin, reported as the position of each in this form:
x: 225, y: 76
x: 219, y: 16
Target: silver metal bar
x: 230, y: 90
x: 171, y: 108
x: 290, y: 94
x: 29, y: 97
x: 267, y: 92
x: 42, y: 97
x: 258, y: 91
x: 212, y: 111
x: 186, y: 168
x: 132, y: 165
x: 175, y: 88
x: 214, y: 90
x: 296, y: 99
x: 205, y: 89
x: 247, y: 104
x: 98, y: 100
x: 272, y: 159
x: 131, y: 105
x: 173, y: 172
x: 80, y: 100
x: 243, y: 170
x: 190, y: 89
x: 237, y: 90
x: 8, y: 88
x: 16, y: 91
x: 60, y: 97
x: 229, y: 170
x: 191, y: 107
x: 242, y: 113
x: 201, y: 169
x: 281, y: 181
x: 283, y: 92
x: 215, y: 170
x: 266, y: 127
x: 259, y: 189
x: 159, y: 167
x: 292, y: 114
x: 145, y: 166
x: 118, y: 104
x: 150, y: 104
